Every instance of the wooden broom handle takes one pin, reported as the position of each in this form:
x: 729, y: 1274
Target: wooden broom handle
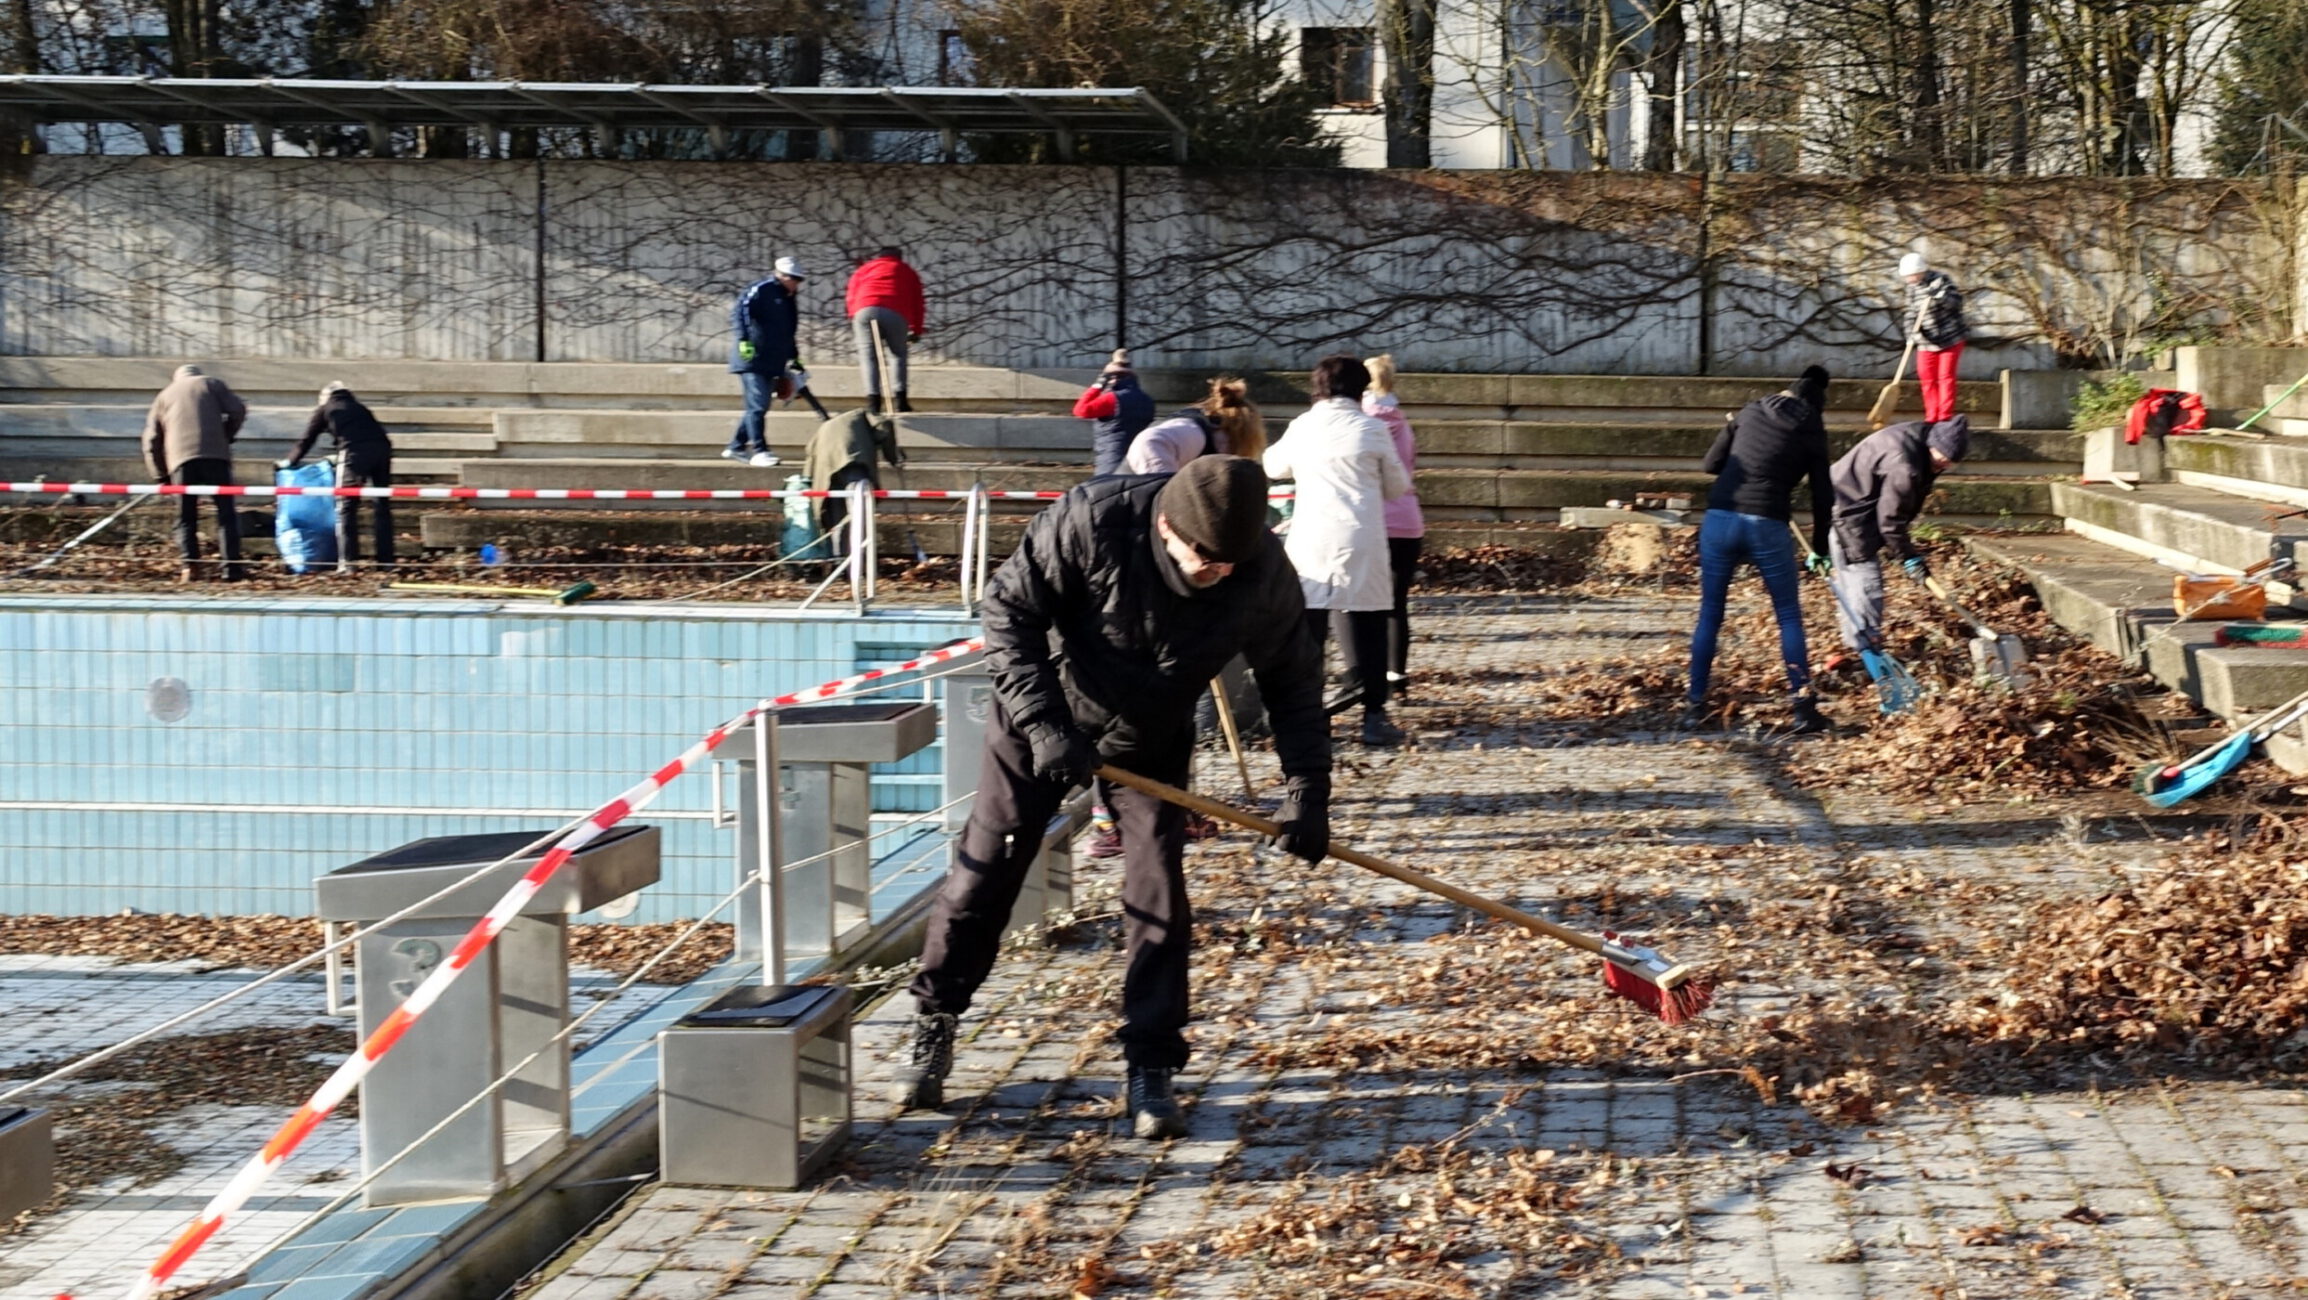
x: 1417, y: 879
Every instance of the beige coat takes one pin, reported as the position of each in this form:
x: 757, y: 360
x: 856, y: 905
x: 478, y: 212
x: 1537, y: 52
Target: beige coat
x: 194, y: 418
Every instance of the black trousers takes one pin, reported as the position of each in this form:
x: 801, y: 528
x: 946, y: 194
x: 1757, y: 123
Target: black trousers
x: 1362, y: 645
x: 998, y: 845
x: 364, y: 471
x: 1402, y: 552
x: 207, y: 472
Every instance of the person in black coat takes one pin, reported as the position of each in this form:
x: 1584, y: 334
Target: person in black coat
x: 364, y: 456
x: 1766, y: 451
x: 1123, y: 600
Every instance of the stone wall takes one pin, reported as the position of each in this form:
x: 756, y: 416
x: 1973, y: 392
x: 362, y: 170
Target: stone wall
x: 1528, y: 272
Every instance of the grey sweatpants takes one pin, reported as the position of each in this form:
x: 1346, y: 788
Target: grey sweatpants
x: 1858, y: 597
x: 892, y: 328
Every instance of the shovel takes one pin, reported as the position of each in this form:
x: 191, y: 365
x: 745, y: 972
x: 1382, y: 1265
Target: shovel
x: 1896, y: 690
x: 1668, y: 989
x: 2003, y: 657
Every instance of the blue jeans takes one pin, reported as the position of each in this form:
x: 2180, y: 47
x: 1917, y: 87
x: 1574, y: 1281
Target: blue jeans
x: 760, y: 391
x: 1726, y: 539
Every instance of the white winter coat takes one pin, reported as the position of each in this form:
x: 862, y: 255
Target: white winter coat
x: 1346, y: 470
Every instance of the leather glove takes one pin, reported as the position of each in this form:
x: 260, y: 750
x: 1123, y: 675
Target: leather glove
x: 1818, y: 564
x: 1304, y: 818
x: 913, y: 338
x: 1916, y: 568
x: 744, y: 350
x: 1062, y: 754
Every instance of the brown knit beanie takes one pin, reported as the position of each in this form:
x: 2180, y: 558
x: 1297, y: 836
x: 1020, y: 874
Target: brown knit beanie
x: 1218, y: 504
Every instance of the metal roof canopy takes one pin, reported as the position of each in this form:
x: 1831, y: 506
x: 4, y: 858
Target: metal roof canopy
x: 268, y: 102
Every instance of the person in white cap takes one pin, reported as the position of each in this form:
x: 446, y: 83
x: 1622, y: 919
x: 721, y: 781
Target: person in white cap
x: 765, y: 321
x: 1935, y: 313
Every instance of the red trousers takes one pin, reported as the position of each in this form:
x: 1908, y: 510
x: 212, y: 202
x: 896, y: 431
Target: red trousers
x: 1936, y: 372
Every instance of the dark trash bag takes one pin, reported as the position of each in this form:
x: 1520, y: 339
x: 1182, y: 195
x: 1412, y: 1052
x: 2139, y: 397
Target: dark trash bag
x: 305, y: 528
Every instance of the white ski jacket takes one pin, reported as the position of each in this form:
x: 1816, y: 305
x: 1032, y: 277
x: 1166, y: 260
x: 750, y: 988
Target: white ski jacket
x: 1346, y: 471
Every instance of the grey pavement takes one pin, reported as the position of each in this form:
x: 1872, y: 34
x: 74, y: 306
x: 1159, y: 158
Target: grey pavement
x: 1389, y: 1099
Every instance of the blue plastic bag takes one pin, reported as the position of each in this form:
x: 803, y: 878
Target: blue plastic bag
x: 304, y: 529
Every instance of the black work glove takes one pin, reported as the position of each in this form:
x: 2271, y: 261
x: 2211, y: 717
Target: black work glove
x: 1062, y: 754
x: 1304, y: 818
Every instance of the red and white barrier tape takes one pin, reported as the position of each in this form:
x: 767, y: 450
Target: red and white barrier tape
x: 452, y: 493
x: 347, y: 1076
x: 414, y: 492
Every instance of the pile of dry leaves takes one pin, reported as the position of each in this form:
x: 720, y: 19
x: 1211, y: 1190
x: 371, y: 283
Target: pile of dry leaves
x: 2203, y: 958
x: 262, y: 942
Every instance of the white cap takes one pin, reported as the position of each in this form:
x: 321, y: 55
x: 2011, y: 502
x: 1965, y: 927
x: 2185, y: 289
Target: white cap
x: 1913, y: 264
x: 790, y: 267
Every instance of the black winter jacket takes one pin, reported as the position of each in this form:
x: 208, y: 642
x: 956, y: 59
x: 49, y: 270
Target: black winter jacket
x: 1773, y: 444
x: 1090, y: 619
x: 1936, y: 307
x: 352, y: 428
x: 1880, y: 487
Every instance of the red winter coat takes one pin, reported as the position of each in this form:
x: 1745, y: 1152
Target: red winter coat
x: 2164, y: 411
x: 887, y: 282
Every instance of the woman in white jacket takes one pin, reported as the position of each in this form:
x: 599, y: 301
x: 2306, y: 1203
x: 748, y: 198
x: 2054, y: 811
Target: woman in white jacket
x: 1346, y: 470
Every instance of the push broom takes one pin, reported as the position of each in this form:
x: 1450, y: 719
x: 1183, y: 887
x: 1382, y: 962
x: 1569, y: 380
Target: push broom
x: 1666, y: 988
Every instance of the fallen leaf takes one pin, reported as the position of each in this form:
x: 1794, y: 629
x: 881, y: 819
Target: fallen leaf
x: 1091, y: 1282
x: 1986, y: 1234
x: 1852, y: 1175
x: 2085, y: 1214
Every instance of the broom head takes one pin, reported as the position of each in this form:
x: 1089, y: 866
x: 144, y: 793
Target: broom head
x: 1665, y: 988
x: 1886, y: 406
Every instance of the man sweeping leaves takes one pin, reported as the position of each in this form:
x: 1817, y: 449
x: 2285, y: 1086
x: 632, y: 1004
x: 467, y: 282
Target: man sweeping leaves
x: 1121, y: 603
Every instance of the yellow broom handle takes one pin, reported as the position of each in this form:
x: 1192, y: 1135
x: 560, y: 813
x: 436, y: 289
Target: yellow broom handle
x: 1417, y: 879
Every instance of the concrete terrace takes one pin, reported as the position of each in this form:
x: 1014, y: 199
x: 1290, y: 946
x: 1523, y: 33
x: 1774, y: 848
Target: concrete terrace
x: 1391, y: 1101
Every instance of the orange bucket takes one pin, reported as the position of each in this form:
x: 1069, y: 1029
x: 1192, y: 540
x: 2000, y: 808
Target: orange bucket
x: 2199, y: 597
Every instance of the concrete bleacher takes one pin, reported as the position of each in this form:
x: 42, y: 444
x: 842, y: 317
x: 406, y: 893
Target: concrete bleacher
x: 2219, y: 509
x: 1494, y: 449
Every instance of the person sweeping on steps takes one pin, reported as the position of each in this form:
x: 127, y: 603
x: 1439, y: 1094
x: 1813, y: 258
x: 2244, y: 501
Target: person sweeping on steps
x: 1935, y: 313
x: 1880, y: 487
x: 1122, y: 601
x: 1772, y: 445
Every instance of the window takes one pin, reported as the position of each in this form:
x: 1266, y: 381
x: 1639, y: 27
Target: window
x: 954, y: 63
x: 1338, y: 63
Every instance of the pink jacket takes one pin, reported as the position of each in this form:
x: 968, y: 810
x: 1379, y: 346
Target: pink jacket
x: 1403, y: 516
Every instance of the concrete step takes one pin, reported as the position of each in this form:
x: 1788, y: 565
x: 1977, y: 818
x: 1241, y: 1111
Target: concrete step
x: 2123, y: 604
x: 2193, y: 527
x: 2269, y: 469
x: 708, y: 385
x: 129, y: 468
x: 66, y: 419
x: 1510, y: 494
x: 1578, y: 444
x: 2290, y: 402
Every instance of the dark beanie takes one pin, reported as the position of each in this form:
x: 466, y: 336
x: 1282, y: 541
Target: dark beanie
x: 1218, y: 504
x: 1951, y: 437
x: 1811, y: 387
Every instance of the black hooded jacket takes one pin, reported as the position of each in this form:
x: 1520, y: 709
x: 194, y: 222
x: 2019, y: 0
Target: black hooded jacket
x: 352, y: 427
x: 1091, y: 619
x: 1773, y: 445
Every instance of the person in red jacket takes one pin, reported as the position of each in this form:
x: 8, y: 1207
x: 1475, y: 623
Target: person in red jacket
x: 885, y: 304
